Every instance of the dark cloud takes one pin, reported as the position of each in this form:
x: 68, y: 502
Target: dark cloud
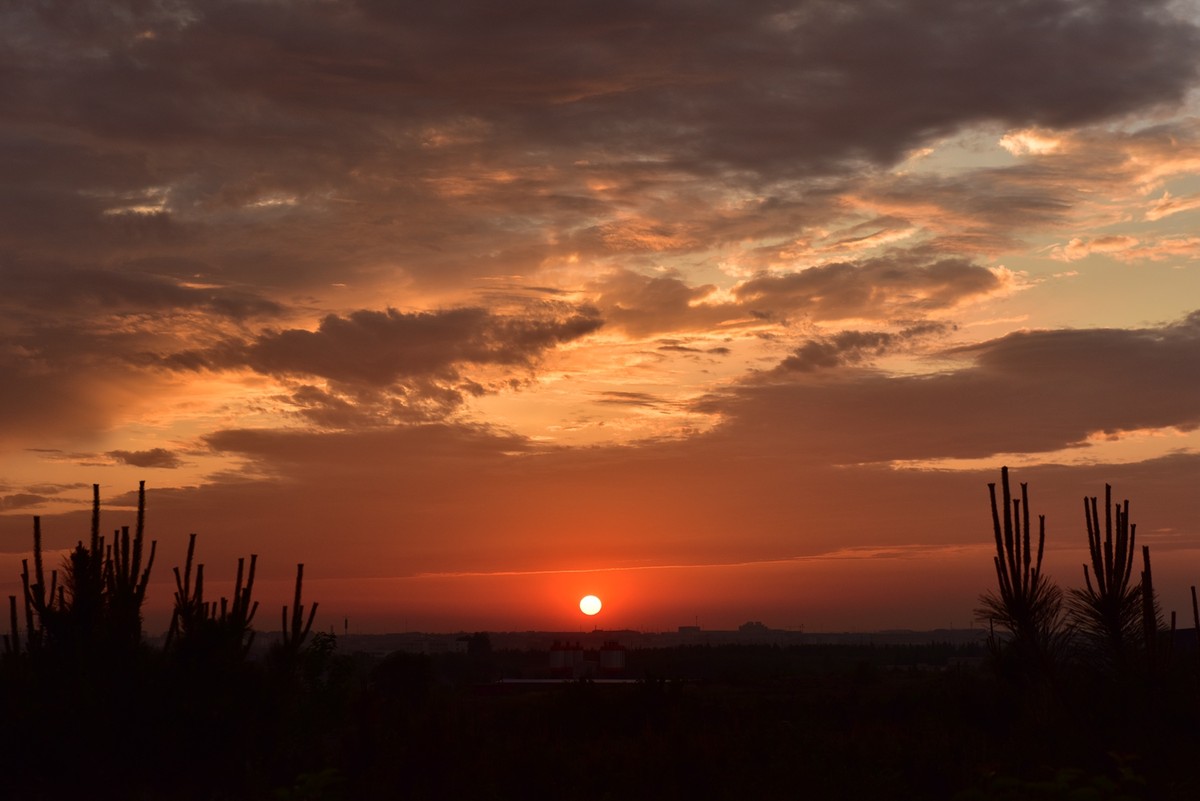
x: 989, y: 210
x: 678, y: 346
x: 379, y: 348
x: 1027, y: 392
x: 331, y: 410
x: 384, y: 367
x: 852, y: 347
x: 306, y: 450
x: 417, y: 400
x: 644, y: 305
x: 54, y: 489
x: 880, y: 288
x: 641, y: 399
x: 779, y: 86
x: 995, y: 209
x: 21, y: 500
x: 274, y: 148
x: 454, y: 497
x: 903, y: 284
x: 155, y: 457
x: 70, y: 343
x: 848, y: 347
x: 56, y: 290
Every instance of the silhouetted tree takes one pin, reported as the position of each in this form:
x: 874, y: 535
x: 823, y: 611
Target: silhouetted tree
x: 1151, y: 617
x: 296, y: 629
x: 1108, y: 609
x: 125, y: 580
x: 207, y: 630
x: 98, y: 603
x: 1195, y: 618
x: 12, y: 640
x: 1027, y: 605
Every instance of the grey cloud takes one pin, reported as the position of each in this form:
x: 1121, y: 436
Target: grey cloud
x: 852, y: 347
x: 879, y: 288
x: 155, y: 457
x: 150, y: 149
x: 796, y: 86
x: 985, y: 210
x: 642, y: 399
x: 21, y: 500
x: 66, y: 373
x: 990, y: 210
x: 678, y: 346
x: 903, y: 284
x: 53, y: 489
x: 355, y: 450
x: 347, y: 407
x: 1027, y: 392
x: 848, y: 347
x: 436, y: 139
x: 329, y: 410
x: 53, y: 288
x: 379, y: 348
x: 644, y: 305
x: 412, y: 484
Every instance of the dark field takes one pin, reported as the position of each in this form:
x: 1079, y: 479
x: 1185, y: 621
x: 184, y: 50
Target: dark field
x: 815, y: 721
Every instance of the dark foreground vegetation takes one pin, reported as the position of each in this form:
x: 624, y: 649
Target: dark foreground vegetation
x: 1081, y: 694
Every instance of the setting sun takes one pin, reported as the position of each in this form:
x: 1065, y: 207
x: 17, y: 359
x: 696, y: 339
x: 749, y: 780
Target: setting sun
x: 589, y: 604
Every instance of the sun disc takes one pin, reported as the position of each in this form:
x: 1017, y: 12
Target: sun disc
x: 589, y: 604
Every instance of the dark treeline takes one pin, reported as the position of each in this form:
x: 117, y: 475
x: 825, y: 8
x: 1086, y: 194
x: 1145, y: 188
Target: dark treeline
x: 1080, y: 693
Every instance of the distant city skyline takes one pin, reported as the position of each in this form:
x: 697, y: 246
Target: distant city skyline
x: 720, y: 312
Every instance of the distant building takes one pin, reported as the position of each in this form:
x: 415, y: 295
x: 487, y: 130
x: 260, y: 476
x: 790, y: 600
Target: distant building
x: 612, y: 658
x: 566, y: 660
x: 569, y: 660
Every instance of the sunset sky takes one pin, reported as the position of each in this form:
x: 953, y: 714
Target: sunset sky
x: 722, y: 311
